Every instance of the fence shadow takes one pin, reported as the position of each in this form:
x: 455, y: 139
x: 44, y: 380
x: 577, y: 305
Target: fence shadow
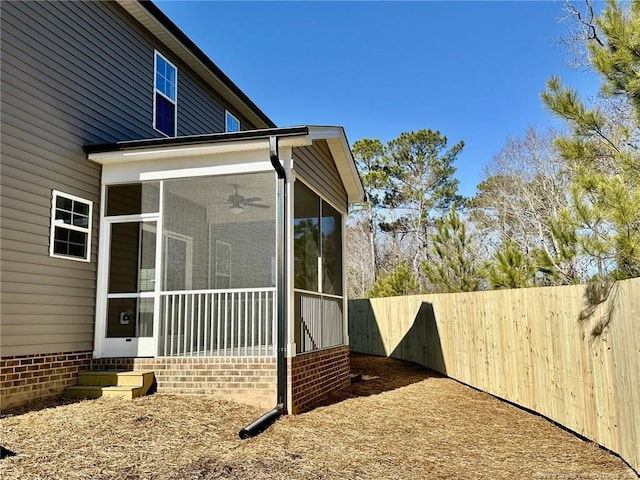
x: 381, y: 370
x: 421, y: 344
x: 379, y: 374
x: 364, y: 331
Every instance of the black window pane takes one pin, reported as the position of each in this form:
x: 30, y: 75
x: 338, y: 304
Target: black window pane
x: 64, y: 203
x: 70, y: 243
x: 81, y: 208
x: 77, y: 237
x: 77, y: 250
x: 164, y: 115
x: 60, y: 248
x: 61, y: 234
x: 80, y: 221
x: 63, y: 215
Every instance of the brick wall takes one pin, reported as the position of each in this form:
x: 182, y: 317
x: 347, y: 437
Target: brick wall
x: 312, y: 375
x: 27, y: 378
x: 250, y: 380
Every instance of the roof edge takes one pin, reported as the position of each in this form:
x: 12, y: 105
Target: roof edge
x: 195, y: 139
x: 302, y: 135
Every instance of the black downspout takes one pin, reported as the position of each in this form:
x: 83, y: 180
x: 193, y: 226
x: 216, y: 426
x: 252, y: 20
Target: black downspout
x: 261, y: 424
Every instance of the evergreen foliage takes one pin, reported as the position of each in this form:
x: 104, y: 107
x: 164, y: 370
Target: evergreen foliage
x: 453, y: 266
x: 557, y: 266
x: 511, y: 268
x: 553, y: 208
x: 602, y: 150
x: 409, y: 181
x: 401, y: 281
x: 521, y: 202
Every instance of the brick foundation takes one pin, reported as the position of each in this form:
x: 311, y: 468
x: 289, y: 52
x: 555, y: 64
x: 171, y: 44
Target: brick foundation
x: 313, y: 375
x: 250, y: 380
x: 27, y: 378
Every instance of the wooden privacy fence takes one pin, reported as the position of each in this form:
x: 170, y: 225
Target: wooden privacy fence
x: 570, y: 353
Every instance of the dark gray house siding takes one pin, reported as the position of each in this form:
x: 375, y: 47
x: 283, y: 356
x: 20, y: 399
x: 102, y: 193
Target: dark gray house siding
x: 315, y: 165
x: 73, y: 73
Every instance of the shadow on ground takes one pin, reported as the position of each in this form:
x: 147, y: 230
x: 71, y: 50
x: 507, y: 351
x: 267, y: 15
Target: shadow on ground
x: 38, y: 405
x: 379, y: 374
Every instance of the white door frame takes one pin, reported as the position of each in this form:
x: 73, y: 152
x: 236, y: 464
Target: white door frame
x: 124, y: 346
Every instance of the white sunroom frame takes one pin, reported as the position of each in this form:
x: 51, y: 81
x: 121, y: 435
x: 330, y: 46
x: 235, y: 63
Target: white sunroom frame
x: 174, y: 161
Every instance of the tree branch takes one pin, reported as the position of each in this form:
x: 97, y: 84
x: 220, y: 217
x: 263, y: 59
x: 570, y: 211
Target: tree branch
x: 590, y: 28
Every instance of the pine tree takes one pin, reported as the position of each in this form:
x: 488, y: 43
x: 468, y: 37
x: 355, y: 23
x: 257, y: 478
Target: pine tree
x: 368, y: 154
x: 408, y: 181
x: 401, y: 281
x: 453, y: 266
x: 603, y: 150
x: 511, y: 269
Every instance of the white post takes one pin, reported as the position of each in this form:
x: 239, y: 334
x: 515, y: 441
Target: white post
x: 286, y: 155
x: 345, y: 297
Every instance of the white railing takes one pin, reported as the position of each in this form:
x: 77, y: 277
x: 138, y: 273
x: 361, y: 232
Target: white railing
x: 209, y: 323
x: 321, y: 323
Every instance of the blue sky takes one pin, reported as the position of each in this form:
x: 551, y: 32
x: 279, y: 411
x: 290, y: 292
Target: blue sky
x: 472, y: 70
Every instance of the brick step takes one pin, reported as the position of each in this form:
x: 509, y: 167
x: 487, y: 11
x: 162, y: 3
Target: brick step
x: 95, y: 384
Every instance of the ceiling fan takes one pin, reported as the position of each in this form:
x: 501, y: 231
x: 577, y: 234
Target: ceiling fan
x: 237, y: 202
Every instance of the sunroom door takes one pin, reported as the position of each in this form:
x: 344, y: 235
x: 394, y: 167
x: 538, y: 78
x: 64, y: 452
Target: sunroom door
x: 131, y: 289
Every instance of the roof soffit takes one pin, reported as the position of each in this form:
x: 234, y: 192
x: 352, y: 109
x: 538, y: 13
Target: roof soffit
x: 341, y: 153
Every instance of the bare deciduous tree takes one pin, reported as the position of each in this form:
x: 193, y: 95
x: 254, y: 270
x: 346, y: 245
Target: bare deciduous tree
x: 521, y: 201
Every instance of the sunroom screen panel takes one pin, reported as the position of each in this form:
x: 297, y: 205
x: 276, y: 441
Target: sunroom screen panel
x: 220, y: 232
x: 331, y: 250
x: 306, y: 237
x: 218, y: 261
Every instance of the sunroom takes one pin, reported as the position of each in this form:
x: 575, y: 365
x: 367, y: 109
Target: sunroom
x: 224, y: 248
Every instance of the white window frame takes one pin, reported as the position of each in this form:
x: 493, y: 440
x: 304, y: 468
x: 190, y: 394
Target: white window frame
x: 157, y: 54
x: 227, y: 116
x: 61, y: 224
x: 188, y: 272
x: 223, y: 265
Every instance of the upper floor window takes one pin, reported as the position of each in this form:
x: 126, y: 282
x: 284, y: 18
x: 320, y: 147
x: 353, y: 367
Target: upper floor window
x: 231, y: 123
x: 165, y: 93
x: 70, y: 227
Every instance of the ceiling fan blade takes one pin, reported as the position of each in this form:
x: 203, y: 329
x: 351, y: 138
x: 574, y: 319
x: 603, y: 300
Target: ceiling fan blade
x: 252, y: 199
x: 257, y: 205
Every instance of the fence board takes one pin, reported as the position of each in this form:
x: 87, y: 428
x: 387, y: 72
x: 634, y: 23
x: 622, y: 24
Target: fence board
x: 535, y: 347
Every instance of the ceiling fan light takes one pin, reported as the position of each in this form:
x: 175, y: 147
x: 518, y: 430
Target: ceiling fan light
x: 236, y: 209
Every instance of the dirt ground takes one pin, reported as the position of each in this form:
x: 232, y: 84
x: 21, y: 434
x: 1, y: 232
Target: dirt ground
x: 400, y: 422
